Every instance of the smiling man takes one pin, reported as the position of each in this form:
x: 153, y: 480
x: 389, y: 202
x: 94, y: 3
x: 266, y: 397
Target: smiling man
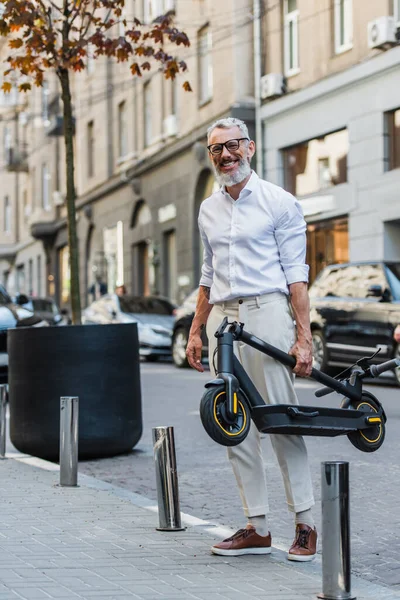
x: 254, y: 271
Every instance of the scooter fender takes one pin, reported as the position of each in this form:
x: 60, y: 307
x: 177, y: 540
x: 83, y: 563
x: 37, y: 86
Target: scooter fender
x: 214, y: 383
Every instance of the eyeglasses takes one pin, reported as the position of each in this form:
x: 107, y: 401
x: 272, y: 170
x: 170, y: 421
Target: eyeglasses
x: 230, y: 145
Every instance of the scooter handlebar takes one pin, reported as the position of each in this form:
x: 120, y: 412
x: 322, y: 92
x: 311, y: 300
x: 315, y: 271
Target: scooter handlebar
x: 324, y: 391
x: 376, y: 370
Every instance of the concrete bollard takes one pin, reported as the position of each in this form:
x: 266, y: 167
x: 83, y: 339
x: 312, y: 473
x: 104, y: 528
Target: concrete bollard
x: 336, y: 576
x: 69, y: 411
x: 166, y: 479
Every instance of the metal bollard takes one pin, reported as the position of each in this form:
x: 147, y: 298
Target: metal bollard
x: 336, y: 576
x: 3, y: 411
x: 69, y: 411
x: 167, y: 479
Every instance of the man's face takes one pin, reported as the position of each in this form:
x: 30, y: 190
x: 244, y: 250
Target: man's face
x: 231, y: 166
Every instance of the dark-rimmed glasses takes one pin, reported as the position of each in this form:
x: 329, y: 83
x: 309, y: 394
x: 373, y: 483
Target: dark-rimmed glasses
x: 230, y: 145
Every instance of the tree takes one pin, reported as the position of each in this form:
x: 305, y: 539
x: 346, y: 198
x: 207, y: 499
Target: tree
x: 58, y: 35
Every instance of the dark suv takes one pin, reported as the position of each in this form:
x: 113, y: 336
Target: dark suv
x: 355, y: 308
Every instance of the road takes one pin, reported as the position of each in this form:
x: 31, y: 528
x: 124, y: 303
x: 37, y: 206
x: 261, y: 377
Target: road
x: 207, y: 487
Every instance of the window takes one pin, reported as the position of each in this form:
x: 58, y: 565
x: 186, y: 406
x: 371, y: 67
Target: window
x: 353, y: 281
x: 39, y: 274
x: 21, y: 279
x: 174, y: 96
x: 33, y: 189
x: 205, y: 65
x: 147, y: 109
x: 396, y: 12
x: 122, y: 130
x: 45, y: 187
x: 90, y: 149
x: 154, y: 8
x: 7, y: 215
x: 90, y: 59
x: 343, y: 19
x: 392, y: 140
x: 7, y: 142
x: 317, y: 164
x: 30, y: 277
x: 45, y: 102
x: 291, y: 42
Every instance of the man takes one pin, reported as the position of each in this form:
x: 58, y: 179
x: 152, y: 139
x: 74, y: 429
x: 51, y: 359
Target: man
x: 396, y: 334
x: 254, y: 251
x: 98, y: 288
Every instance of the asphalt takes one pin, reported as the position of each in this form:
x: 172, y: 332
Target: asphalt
x: 97, y: 540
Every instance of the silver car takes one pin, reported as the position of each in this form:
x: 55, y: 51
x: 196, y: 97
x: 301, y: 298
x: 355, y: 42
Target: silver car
x: 154, y: 316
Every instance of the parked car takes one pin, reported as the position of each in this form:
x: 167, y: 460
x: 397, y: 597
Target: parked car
x: 45, y: 308
x: 12, y: 315
x: 154, y: 315
x: 355, y: 308
x: 180, y: 335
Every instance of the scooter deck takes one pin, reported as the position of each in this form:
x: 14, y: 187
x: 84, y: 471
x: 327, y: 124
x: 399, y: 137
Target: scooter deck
x: 309, y: 420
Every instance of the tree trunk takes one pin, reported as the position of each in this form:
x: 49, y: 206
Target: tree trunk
x: 75, y: 296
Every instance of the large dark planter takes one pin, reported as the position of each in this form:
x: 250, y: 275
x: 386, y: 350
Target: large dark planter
x: 97, y: 363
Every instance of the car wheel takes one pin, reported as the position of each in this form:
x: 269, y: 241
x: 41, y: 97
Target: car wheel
x: 319, y: 351
x: 397, y: 371
x: 179, y: 343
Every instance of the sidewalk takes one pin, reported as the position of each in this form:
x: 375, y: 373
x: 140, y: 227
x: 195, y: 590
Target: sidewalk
x: 99, y: 541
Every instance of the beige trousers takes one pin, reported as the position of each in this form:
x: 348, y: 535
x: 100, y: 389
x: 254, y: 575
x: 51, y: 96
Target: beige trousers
x: 268, y: 317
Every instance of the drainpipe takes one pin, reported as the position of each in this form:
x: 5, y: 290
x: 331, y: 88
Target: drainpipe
x: 257, y: 89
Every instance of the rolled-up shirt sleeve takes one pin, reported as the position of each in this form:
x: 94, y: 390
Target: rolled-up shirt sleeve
x: 290, y: 235
x: 207, y: 271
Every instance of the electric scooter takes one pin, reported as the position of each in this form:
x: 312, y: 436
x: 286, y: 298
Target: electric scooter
x: 231, y: 400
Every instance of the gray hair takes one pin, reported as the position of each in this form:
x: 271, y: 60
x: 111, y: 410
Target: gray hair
x: 227, y: 123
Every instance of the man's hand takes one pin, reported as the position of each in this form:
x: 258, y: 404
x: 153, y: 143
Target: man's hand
x: 302, y: 351
x: 396, y: 334
x: 193, y: 352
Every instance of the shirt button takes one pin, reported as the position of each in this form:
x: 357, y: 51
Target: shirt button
x: 240, y: 301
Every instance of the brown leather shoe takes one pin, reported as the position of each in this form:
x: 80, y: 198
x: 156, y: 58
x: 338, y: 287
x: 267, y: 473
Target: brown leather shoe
x: 244, y: 541
x: 304, y: 546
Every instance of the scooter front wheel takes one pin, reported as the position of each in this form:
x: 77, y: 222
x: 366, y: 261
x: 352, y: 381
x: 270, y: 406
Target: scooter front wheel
x: 215, y: 421
x: 372, y: 438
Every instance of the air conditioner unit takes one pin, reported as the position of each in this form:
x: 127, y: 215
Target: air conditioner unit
x: 382, y: 32
x: 272, y: 85
x: 170, y: 126
x: 58, y: 198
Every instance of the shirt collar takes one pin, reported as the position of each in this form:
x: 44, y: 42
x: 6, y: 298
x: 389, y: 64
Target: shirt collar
x: 247, y: 190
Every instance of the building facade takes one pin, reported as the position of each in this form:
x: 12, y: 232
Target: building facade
x: 142, y: 168
x: 331, y: 122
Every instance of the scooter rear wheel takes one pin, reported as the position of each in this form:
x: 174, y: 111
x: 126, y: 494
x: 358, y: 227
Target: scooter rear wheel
x: 372, y: 438
x: 214, y: 419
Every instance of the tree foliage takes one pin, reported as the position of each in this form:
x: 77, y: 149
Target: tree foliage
x: 61, y: 34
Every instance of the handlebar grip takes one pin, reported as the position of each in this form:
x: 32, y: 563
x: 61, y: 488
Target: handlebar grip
x: 377, y: 370
x: 324, y: 391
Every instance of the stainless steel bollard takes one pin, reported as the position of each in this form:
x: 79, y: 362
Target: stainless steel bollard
x: 166, y: 479
x: 69, y: 409
x: 336, y: 576
x: 3, y: 412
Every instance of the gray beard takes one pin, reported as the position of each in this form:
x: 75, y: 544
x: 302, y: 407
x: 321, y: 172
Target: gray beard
x: 226, y: 179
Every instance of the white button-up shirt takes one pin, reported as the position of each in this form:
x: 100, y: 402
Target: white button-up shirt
x: 253, y: 245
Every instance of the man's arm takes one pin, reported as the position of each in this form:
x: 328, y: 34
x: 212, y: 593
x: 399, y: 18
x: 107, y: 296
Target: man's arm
x: 195, y: 344
x: 302, y: 349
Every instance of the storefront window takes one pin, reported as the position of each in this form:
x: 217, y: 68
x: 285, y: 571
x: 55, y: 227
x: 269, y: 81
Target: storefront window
x: 327, y: 244
x: 317, y: 164
x: 114, y: 255
x: 65, y: 275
